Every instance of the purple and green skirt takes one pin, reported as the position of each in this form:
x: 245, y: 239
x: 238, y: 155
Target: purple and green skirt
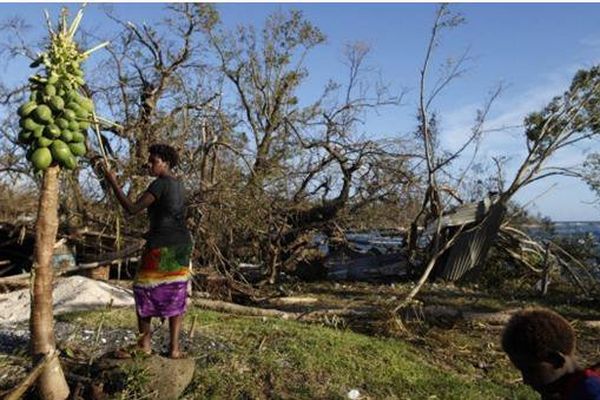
x: 161, y: 282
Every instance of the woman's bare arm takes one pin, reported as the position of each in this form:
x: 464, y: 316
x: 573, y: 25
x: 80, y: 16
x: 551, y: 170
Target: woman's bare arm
x: 144, y: 201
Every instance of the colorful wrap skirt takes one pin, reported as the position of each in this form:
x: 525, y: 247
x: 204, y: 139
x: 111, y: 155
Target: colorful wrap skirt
x: 161, y: 282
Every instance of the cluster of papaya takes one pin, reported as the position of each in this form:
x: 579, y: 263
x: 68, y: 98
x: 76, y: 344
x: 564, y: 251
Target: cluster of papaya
x: 56, y: 117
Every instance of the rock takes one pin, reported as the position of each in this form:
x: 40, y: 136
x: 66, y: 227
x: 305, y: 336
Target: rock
x: 153, y: 376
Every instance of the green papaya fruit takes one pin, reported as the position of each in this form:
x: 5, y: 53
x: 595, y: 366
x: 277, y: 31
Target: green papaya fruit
x: 41, y: 158
x: 42, y: 114
x: 49, y: 90
x: 44, y: 141
x: 29, y: 124
x: 60, y: 150
x: 78, y: 137
x: 77, y: 148
x: 70, y: 162
x: 72, y: 95
x: 38, y: 131
x: 62, y: 123
x: 66, y: 135
x: 69, y: 114
x: 73, y: 125
x: 53, y: 79
x: 86, y: 104
x: 82, y: 114
x: 73, y: 105
x: 52, y: 131
x: 26, y: 109
x: 56, y: 103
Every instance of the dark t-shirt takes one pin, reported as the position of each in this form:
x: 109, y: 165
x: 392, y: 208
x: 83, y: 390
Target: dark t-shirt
x: 167, y: 213
x: 585, y: 385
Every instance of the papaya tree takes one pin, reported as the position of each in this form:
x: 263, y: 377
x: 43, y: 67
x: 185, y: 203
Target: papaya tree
x: 54, y: 123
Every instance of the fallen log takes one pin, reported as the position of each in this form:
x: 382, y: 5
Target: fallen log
x: 291, y: 301
x: 232, y: 308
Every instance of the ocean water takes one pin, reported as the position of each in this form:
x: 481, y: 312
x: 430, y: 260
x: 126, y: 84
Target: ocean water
x: 567, y: 229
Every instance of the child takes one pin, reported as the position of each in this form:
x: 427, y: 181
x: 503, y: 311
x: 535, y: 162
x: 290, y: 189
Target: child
x: 541, y: 344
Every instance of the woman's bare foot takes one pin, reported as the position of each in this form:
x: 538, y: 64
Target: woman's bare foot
x: 144, y: 343
x: 130, y: 352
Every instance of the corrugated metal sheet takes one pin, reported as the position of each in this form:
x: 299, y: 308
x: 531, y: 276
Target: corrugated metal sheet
x: 471, y: 247
x: 461, y: 215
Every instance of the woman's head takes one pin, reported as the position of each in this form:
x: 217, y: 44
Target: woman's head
x: 161, y: 159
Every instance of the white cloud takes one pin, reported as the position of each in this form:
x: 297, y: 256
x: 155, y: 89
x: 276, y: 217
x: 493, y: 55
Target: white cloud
x: 590, y: 41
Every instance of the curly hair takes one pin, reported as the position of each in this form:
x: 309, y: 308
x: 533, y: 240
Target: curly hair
x: 537, y: 332
x: 166, y: 153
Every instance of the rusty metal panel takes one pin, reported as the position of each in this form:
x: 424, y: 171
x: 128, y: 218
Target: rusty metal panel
x: 461, y: 215
x: 472, y: 246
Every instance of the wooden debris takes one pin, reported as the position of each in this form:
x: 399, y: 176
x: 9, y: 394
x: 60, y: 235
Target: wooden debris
x: 19, y: 391
x: 368, y: 268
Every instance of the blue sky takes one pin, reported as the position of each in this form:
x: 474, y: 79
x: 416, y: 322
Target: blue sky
x: 533, y: 49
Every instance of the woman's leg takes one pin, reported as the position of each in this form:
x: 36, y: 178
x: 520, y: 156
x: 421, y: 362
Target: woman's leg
x: 145, y: 328
x: 174, y: 331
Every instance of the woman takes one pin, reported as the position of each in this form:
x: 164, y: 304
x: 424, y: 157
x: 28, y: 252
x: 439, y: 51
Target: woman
x: 160, y: 284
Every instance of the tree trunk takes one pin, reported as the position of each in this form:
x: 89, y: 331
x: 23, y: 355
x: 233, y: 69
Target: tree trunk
x: 51, y: 383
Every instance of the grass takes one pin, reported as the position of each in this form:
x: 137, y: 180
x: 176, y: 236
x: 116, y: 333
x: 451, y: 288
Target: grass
x: 257, y: 358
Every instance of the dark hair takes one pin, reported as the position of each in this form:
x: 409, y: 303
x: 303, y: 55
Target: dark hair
x: 166, y: 153
x: 537, y: 332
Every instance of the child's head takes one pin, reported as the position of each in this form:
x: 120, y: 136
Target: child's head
x: 541, y: 344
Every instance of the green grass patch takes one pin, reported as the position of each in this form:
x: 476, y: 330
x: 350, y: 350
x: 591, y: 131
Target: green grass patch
x: 256, y: 358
